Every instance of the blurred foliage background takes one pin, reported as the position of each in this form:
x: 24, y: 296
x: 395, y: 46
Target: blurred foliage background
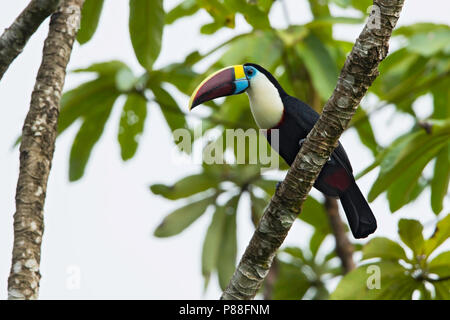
x: 306, y: 59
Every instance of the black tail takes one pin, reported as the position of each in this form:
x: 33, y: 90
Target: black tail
x: 359, y: 215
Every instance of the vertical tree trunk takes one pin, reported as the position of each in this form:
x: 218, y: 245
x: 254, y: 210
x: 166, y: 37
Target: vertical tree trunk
x: 36, y: 151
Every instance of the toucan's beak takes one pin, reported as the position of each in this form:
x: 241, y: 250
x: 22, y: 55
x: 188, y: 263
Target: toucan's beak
x: 225, y: 82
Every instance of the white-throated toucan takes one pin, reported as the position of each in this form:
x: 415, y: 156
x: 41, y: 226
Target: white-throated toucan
x: 273, y: 108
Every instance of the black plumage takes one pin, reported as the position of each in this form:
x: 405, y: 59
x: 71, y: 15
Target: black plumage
x: 336, y: 178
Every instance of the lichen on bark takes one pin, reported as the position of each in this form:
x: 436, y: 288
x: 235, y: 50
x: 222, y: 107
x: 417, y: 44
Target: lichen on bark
x: 359, y: 71
x: 36, y: 151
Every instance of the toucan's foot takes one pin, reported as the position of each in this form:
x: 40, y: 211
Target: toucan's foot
x: 277, y: 186
x: 300, y: 143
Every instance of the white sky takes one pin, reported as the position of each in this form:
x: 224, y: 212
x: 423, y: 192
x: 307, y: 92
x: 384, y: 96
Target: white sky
x: 102, y: 225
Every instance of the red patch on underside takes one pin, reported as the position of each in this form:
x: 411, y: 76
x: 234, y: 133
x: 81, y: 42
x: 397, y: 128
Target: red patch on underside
x: 339, y: 179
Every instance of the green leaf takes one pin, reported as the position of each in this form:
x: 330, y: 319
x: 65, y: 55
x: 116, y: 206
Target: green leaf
x: 331, y: 20
x: 313, y: 213
x: 88, y: 135
x: 125, y: 80
x: 108, y: 68
x: 410, y: 156
x: 268, y: 186
x: 441, y: 96
x: 222, y: 15
x: 385, y: 249
x: 183, y: 217
x: 362, y: 5
x: 252, y: 13
x: 425, y: 294
x: 85, y: 100
x: 341, y: 3
x: 440, y: 235
x: 410, y: 231
x: 440, y: 265
x: 442, y: 290
x: 291, y: 283
x: 424, y: 27
x: 257, y: 207
x: 146, y: 25
x: 295, y: 252
x: 407, y: 187
x: 211, y: 28
x: 265, y: 5
x: 387, y: 156
x: 441, y: 178
x: 319, y: 8
x: 394, y: 283
x: 170, y: 109
x: 180, y: 75
x: 184, y: 9
x: 316, y: 241
x: 263, y: 47
x: 131, y: 124
x: 212, y: 243
x: 320, y: 65
x: 185, y: 187
x: 429, y: 43
x: 227, y: 259
x: 90, y: 15
x: 365, y: 131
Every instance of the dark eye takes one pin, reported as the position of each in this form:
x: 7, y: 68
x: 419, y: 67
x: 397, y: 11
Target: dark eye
x: 250, y: 72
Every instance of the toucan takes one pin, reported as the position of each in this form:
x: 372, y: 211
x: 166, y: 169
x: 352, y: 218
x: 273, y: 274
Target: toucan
x: 272, y: 108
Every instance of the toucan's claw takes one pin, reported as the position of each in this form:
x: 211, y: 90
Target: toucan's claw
x: 300, y: 143
x: 277, y: 186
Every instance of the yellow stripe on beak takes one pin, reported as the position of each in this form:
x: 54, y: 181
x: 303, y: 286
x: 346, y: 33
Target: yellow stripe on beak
x: 239, y: 72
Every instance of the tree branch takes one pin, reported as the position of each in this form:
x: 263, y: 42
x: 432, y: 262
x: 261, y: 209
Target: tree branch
x: 358, y: 73
x: 14, y: 38
x: 36, y: 151
x: 344, y: 248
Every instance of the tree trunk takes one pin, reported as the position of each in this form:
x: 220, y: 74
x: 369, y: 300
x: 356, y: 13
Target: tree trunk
x: 358, y: 73
x: 14, y: 39
x: 36, y: 151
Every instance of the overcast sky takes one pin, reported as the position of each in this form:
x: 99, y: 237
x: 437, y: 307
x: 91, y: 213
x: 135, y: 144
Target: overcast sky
x: 100, y: 228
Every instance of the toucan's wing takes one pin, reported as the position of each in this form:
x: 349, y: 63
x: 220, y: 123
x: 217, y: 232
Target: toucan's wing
x: 303, y: 114
x: 306, y: 117
x: 342, y: 158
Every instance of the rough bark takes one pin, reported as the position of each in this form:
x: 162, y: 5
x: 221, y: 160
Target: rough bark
x: 344, y: 248
x: 14, y: 38
x: 36, y: 151
x: 358, y: 73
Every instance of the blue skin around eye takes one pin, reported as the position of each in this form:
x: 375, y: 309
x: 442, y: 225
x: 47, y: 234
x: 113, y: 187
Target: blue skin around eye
x: 241, y: 85
x: 247, y: 72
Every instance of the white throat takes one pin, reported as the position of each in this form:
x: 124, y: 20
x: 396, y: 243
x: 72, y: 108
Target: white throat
x: 265, y: 102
